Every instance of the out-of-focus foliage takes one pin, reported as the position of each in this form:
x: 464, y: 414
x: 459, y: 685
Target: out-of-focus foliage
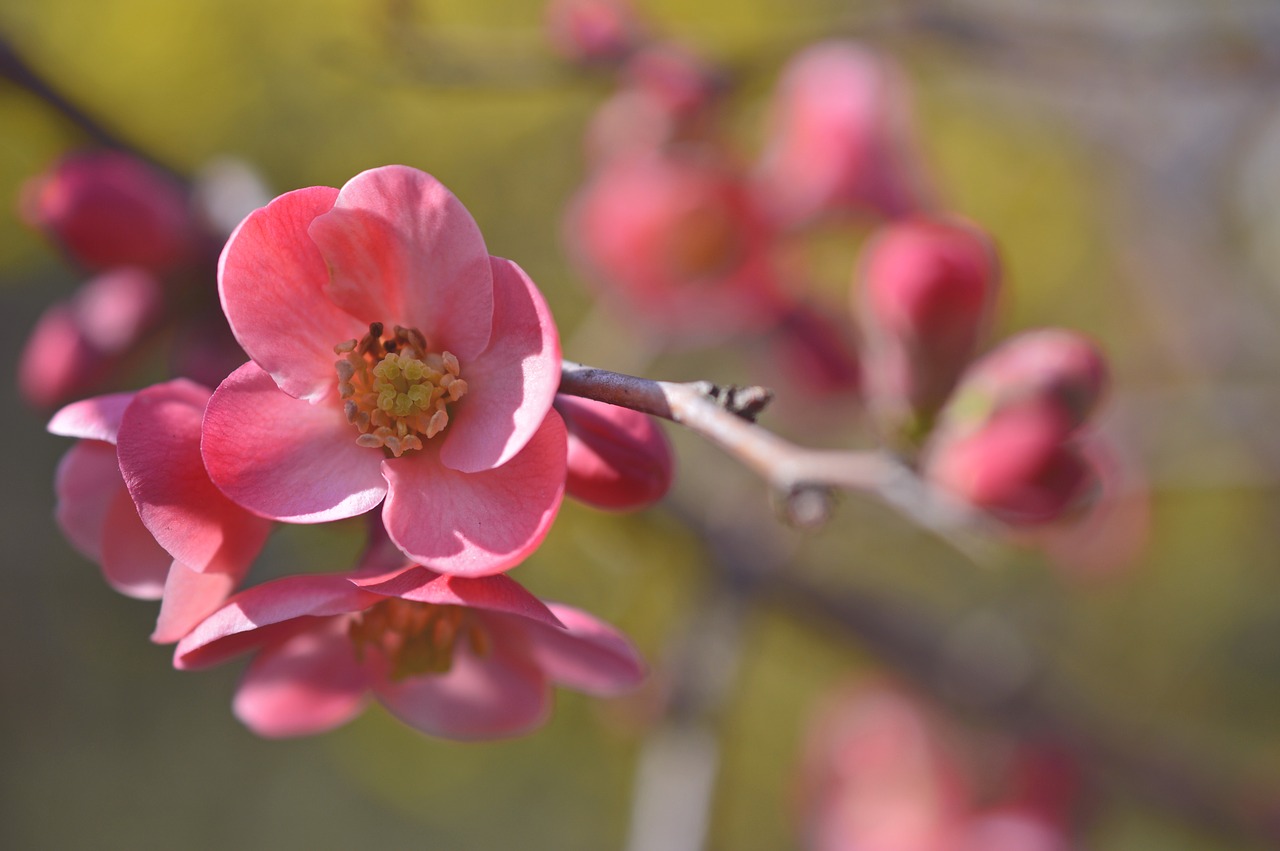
x: 105, y: 746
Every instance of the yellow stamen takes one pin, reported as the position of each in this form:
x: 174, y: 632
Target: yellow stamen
x: 417, y: 638
x: 394, y: 391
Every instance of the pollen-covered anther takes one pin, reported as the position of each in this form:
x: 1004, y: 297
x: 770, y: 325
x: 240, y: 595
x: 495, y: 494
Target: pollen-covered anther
x: 416, y: 638
x: 395, y: 391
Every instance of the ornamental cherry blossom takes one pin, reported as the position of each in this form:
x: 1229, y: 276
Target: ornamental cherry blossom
x: 458, y: 657
x: 392, y: 359
x: 134, y: 497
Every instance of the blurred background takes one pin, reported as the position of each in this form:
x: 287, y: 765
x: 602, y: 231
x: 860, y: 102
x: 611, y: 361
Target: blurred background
x: 1126, y: 156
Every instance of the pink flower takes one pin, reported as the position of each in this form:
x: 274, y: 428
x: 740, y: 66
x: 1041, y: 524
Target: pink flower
x: 676, y: 243
x: 134, y: 497
x: 462, y: 658
x: 926, y: 291
x: 392, y: 358
x: 108, y: 208
x: 840, y: 138
x: 77, y: 343
x: 619, y: 459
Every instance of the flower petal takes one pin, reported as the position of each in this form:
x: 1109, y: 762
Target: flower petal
x: 403, y: 250
x: 159, y: 451
x: 588, y: 655
x: 284, y: 458
x: 489, y: 593
x: 132, y: 562
x: 92, y: 419
x: 306, y: 684
x: 272, y: 281
x: 475, y: 524
x: 502, y: 694
x: 189, y: 597
x: 511, y: 385
x: 87, y: 481
x: 248, y: 619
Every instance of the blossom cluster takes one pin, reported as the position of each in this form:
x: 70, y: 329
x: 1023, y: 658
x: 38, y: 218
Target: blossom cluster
x: 696, y: 242
x: 397, y: 370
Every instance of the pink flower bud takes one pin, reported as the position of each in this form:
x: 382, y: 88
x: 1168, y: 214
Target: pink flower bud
x: 76, y: 344
x: 926, y: 290
x: 592, y: 31
x: 619, y: 459
x: 107, y: 208
x: 1050, y: 366
x: 1016, y: 466
x: 840, y: 137
x: 676, y: 242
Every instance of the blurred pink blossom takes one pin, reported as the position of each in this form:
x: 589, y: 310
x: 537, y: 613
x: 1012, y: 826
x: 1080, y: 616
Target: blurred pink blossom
x: 925, y: 291
x: 592, y: 31
x: 840, y: 137
x: 76, y: 344
x: 675, y: 242
x: 461, y: 658
x: 393, y: 359
x: 108, y: 208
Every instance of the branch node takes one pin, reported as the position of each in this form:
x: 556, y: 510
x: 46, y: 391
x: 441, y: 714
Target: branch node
x: 747, y: 402
x: 807, y: 506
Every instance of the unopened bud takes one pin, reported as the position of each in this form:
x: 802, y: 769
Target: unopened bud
x: 1016, y: 467
x: 926, y: 291
x: 619, y: 459
x: 107, y: 208
x: 1051, y: 367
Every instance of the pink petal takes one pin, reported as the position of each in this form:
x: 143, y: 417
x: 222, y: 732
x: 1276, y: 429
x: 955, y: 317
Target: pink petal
x: 403, y: 250
x: 92, y: 419
x: 490, y: 593
x: 511, y: 385
x: 159, y: 450
x: 588, y: 655
x: 284, y: 458
x: 502, y: 694
x: 87, y: 482
x: 474, y: 524
x: 132, y: 562
x: 189, y: 597
x: 249, y: 619
x: 309, y: 683
x: 272, y: 280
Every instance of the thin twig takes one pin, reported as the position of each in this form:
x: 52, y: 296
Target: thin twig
x: 804, y: 477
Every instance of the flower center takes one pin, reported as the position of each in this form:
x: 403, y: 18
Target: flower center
x: 394, y: 391
x: 416, y: 638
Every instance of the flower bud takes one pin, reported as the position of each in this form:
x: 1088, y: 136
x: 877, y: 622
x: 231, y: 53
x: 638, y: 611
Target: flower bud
x: 77, y: 343
x: 619, y: 459
x: 926, y: 290
x: 107, y: 208
x: 840, y: 137
x: 811, y: 355
x: 1016, y: 466
x: 1048, y: 367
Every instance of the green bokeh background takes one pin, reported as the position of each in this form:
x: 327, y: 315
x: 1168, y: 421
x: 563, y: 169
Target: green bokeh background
x: 105, y: 746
